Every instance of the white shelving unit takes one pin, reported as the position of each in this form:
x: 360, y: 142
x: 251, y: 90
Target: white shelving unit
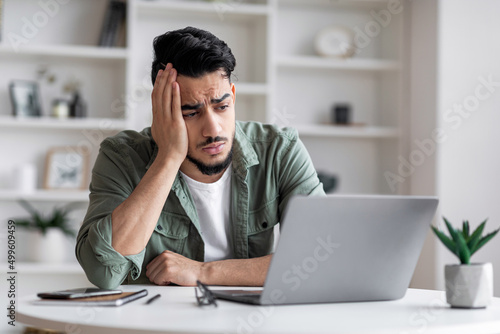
x: 307, y: 87
x: 278, y: 77
x: 67, y: 45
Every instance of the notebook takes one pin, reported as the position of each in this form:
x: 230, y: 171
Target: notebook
x: 344, y: 249
x: 111, y: 300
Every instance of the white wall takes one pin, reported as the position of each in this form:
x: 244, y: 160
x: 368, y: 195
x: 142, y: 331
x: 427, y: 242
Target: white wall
x: 469, y: 160
x: 422, y: 71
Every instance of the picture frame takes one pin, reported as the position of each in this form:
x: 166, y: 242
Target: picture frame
x: 66, y: 169
x: 25, y: 98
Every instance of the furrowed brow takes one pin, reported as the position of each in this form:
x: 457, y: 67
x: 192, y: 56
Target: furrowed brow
x: 219, y: 100
x: 199, y: 105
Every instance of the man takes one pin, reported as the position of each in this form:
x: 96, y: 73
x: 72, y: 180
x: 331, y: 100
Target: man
x: 197, y: 195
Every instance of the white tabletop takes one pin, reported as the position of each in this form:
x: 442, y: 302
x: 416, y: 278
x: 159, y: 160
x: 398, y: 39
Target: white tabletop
x: 420, y: 311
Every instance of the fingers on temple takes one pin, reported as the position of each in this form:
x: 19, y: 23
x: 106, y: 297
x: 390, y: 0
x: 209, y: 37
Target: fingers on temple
x: 159, y: 88
x: 167, y: 91
x: 176, y: 101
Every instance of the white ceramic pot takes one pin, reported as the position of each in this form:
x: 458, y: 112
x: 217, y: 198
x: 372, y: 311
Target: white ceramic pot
x: 48, y: 248
x: 469, y: 286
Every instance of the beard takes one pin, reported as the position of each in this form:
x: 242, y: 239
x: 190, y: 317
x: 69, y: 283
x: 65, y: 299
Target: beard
x: 214, y: 168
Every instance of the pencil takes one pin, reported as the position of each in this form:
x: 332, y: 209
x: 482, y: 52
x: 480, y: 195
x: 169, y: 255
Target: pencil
x: 152, y: 299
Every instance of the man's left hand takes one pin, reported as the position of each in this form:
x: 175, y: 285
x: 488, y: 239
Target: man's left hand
x: 170, y: 267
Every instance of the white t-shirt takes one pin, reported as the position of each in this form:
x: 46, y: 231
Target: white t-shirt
x: 212, y: 202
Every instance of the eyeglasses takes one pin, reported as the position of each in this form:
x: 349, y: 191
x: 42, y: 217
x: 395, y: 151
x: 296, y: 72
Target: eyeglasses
x: 206, y: 296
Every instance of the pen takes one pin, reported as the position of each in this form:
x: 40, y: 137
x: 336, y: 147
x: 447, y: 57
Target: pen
x: 152, y: 299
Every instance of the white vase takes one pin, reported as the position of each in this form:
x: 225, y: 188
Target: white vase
x: 469, y: 286
x: 48, y: 248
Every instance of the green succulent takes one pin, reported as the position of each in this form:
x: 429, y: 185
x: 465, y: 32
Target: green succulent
x: 462, y: 243
x: 57, y: 219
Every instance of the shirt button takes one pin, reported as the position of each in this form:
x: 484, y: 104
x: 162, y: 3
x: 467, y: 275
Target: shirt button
x: 159, y: 227
x: 264, y: 224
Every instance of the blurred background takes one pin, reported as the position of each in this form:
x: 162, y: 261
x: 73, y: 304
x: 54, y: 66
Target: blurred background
x: 389, y: 97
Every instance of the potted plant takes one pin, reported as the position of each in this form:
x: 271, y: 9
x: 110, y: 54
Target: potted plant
x: 468, y: 285
x: 46, y: 240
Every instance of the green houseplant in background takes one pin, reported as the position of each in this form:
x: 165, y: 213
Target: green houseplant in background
x: 468, y: 285
x: 58, y: 219
x: 46, y: 233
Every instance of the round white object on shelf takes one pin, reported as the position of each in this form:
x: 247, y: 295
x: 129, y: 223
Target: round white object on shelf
x: 335, y: 41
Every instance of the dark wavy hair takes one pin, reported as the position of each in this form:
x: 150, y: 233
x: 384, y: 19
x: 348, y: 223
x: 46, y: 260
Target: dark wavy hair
x: 193, y: 53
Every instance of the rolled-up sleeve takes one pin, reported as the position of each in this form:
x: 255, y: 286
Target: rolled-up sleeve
x: 297, y: 174
x: 112, y: 182
x: 103, y: 265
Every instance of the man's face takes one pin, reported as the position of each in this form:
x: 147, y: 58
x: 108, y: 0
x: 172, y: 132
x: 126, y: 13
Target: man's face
x: 208, y: 110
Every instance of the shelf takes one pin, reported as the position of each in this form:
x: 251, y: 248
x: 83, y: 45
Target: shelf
x: 347, y: 131
x: 46, y: 195
x: 72, y: 51
x: 337, y: 64
x: 49, y: 268
x: 219, y: 8
x: 103, y: 124
x: 351, y: 4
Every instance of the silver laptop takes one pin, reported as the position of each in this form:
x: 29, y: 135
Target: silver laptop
x: 344, y: 249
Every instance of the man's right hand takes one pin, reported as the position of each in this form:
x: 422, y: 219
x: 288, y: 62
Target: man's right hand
x: 168, y: 128
x: 135, y: 218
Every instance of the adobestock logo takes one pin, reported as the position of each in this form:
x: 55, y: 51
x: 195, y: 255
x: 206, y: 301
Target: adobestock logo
x: 373, y: 28
x: 30, y: 28
x: 281, y: 117
x: 223, y: 6
x: 139, y: 93
x: 298, y: 273
x: 452, y: 119
x: 381, y: 19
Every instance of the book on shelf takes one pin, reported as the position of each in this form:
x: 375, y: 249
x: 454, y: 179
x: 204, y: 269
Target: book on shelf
x: 113, y: 26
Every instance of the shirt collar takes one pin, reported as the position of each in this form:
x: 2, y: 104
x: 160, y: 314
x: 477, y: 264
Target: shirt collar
x: 244, y: 155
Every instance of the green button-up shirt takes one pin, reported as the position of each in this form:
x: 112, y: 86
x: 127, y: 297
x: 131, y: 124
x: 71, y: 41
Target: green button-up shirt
x: 270, y: 165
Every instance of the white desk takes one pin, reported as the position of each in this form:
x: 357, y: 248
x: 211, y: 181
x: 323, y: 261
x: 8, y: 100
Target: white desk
x: 420, y: 311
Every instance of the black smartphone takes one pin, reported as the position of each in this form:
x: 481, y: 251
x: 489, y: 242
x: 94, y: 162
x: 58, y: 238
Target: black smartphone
x: 78, y: 293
